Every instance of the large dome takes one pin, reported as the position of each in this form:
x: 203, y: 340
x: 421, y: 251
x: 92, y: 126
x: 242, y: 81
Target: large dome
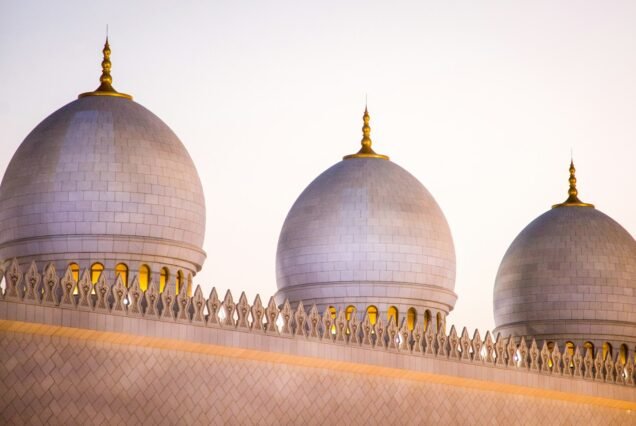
x: 569, y: 275
x: 367, y: 232
x: 103, y: 179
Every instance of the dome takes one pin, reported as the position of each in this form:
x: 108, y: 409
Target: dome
x: 366, y: 232
x: 569, y: 275
x: 103, y: 179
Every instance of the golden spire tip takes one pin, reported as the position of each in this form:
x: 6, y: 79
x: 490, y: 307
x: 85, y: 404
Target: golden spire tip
x: 573, y: 199
x: 366, y: 151
x: 106, y: 87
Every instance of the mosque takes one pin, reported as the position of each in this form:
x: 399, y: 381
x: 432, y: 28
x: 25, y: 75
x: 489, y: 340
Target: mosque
x: 101, y: 322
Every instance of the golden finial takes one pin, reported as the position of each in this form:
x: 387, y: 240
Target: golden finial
x: 573, y: 199
x: 366, y: 151
x: 106, y: 86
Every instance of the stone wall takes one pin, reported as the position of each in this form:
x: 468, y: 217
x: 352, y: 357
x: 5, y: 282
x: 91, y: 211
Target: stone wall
x: 117, y: 355
x: 59, y: 375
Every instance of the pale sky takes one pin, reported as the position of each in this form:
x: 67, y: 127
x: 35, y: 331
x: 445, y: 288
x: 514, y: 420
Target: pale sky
x: 480, y: 100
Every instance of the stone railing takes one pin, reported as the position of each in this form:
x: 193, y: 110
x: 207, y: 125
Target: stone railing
x: 48, y: 289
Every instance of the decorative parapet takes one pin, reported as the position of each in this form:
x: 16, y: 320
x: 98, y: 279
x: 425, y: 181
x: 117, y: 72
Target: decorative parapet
x: 48, y: 289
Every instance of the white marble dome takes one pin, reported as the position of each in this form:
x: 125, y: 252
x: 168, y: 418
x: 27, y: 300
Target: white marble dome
x: 366, y: 232
x: 570, y: 275
x: 103, y: 179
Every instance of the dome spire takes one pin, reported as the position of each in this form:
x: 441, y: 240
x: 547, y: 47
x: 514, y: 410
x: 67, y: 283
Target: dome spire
x: 106, y: 88
x: 573, y: 199
x: 366, y: 151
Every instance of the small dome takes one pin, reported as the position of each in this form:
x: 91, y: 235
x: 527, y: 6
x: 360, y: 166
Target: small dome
x: 103, y: 179
x: 569, y: 275
x: 367, y: 232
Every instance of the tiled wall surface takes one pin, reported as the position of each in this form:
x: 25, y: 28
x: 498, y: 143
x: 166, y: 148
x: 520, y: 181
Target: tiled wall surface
x: 55, y: 378
x: 569, y: 274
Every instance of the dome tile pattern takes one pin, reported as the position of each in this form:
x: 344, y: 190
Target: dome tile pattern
x: 366, y: 230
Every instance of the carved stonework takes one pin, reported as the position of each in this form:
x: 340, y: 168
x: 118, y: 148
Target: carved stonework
x: 32, y: 281
x: 314, y: 322
x: 464, y: 344
x: 286, y: 316
x: 477, y: 346
x: 300, y: 319
x: 14, y: 290
x: 120, y: 294
x: 609, y: 369
x: 214, y: 304
x: 135, y: 297
x: 328, y: 326
x: 167, y: 303
x: 243, y: 312
x: 500, y: 350
x: 598, y: 366
x: 85, y: 287
x: 522, y: 354
x: 629, y: 371
x: 228, y: 307
x: 197, y: 305
x: 68, y: 288
x: 577, y: 359
x: 367, y: 331
x: 102, y: 290
x: 418, y: 338
x: 51, y: 285
x: 453, y: 344
x: 392, y: 334
x: 405, y: 338
x: 588, y: 362
x: 556, y: 360
x: 341, y: 327
x: 442, y: 343
x: 258, y: 312
x: 271, y: 315
x: 429, y: 341
x: 354, y: 329
x: 546, y: 361
x: 380, y: 338
x: 511, y: 352
x: 620, y: 373
x: 152, y: 301
x: 181, y: 305
x: 490, y: 348
x: 568, y: 364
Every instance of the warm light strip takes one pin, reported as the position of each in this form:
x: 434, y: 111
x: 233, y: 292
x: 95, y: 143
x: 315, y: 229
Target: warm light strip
x: 347, y: 367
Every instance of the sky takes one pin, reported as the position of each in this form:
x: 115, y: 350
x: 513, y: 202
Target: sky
x: 482, y: 101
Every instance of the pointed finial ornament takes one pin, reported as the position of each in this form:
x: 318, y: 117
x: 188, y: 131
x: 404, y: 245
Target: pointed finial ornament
x: 366, y: 151
x: 573, y: 199
x: 106, y: 86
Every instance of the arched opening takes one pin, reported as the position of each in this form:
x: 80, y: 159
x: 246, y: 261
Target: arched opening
x: 588, y: 346
x: 622, y: 354
x: 372, y: 313
x: 164, y: 276
x: 144, y: 277
x: 427, y: 319
x: 121, y: 269
x: 332, y: 313
x: 392, y: 313
x: 75, y: 270
x: 440, y: 323
x: 411, y: 318
x: 349, y: 312
x: 75, y: 274
x: 607, y: 350
x: 96, y: 271
x: 179, y: 281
